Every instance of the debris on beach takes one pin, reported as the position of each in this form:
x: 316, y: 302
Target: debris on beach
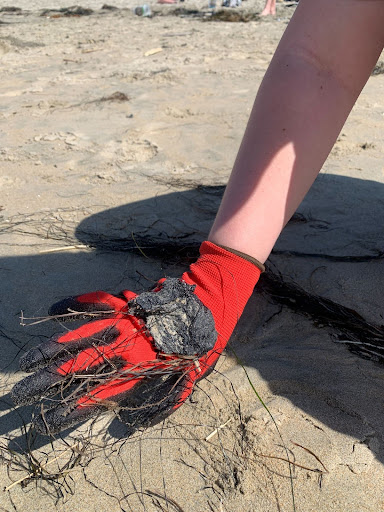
x: 233, y: 16
x: 378, y: 69
x: 116, y: 96
x: 10, y: 9
x: 153, y: 51
x: 75, y: 10
x: 107, y: 7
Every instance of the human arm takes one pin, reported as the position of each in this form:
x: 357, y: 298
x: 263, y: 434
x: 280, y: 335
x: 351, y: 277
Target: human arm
x: 320, y: 66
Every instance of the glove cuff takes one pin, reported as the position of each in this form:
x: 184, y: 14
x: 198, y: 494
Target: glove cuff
x: 251, y: 259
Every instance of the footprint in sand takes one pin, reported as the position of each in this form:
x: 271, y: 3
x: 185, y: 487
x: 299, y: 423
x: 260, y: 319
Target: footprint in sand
x: 179, y: 113
x: 130, y: 150
x: 9, y: 181
x: 68, y: 137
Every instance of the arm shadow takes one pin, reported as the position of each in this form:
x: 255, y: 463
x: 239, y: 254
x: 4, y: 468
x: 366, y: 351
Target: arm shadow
x: 330, y: 254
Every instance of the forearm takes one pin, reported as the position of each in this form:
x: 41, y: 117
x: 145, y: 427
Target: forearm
x: 296, y: 118
x: 301, y: 106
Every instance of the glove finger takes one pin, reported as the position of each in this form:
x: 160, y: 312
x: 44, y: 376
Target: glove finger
x: 30, y: 389
x: 129, y: 356
x: 140, y: 404
x: 71, y: 412
x: 148, y: 390
x: 76, y: 383
x: 131, y: 347
x: 81, y: 306
x: 100, y: 332
x: 57, y: 419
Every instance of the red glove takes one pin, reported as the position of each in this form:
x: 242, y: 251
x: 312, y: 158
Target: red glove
x: 146, y: 353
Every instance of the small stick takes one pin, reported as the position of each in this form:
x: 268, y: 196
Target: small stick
x: 217, y: 430
x: 152, y: 52
x: 311, y: 453
x: 64, y: 248
x: 42, y: 319
x: 137, y: 246
x: 91, y: 50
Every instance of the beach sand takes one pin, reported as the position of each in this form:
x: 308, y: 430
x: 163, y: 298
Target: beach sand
x: 118, y: 130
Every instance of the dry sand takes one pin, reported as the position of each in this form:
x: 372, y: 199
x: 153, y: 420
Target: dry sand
x: 81, y: 165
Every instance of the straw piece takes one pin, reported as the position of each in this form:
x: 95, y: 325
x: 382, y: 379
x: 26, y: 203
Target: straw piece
x: 212, y: 434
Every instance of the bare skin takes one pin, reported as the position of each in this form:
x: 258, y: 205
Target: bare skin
x: 269, y: 8
x: 308, y: 91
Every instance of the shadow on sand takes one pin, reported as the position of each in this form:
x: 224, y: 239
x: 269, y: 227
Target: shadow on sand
x: 331, y: 249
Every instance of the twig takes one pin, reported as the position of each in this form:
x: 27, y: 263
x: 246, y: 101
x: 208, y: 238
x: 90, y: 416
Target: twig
x: 137, y: 246
x: 212, y: 434
x: 42, y: 319
x: 64, y: 248
x: 91, y: 50
x: 310, y: 452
